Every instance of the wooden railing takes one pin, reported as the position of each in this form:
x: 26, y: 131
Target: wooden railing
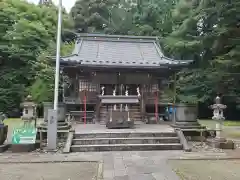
x: 91, y: 99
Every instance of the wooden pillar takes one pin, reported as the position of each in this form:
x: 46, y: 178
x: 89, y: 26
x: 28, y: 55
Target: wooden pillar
x: 85, y: 107
x: 156, y: 106
x: 174, y: 97
x: 143, y: 108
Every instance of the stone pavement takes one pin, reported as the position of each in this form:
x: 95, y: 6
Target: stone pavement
x: 125, y: 165
x: 49, y: 171
x: 138, y: 127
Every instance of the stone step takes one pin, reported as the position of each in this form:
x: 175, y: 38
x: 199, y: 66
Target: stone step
x: 123, y: 135
x: 137, y: 140
x: 125, y: 147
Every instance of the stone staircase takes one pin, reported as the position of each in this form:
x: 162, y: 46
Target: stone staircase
x: 125, y: 141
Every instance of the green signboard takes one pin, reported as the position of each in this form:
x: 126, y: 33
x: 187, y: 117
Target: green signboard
x: 24, y: 135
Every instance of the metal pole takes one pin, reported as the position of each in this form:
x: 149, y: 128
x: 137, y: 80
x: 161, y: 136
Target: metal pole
x: 52, y: 114
x: 59, y: 29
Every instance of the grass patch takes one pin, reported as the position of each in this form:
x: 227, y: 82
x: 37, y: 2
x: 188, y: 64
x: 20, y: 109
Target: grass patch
x: 208, y: 123
x: 227, y: 132
x: 16, y: 123
x: 232, y: 134
x: 231, y: 123
x: 13, y: 122
x: 212, y: 123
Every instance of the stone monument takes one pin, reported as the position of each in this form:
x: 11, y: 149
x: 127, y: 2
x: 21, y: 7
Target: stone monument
x: 186, y: 116
x: 3, y: 133
x: 219, y: 141
x: 29, y: 113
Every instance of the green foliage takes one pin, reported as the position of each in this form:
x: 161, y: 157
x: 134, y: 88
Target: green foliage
x: 25, y: 31
x: 43, y: 86
x: 150, y: 17
x: 208, y: 32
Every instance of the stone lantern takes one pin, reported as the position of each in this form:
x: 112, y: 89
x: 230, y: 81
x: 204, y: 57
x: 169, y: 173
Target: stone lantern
x: 29, y: 112
x: 219, y: 141
x: 3, y: 132
x: 218, y: 115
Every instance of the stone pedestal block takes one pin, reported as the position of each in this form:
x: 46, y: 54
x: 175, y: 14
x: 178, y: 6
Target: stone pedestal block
x: 119, y: 119
x: 221, y: 143
x: 61, y: 124
x: 4, y: 147
x: 3, y: 133
x: 61, y: 111
x: 116, y: 125
x: 24, y: 147
x: 186, y: 117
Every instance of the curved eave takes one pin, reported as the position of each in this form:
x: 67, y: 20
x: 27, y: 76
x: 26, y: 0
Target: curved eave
x: 81, y: 63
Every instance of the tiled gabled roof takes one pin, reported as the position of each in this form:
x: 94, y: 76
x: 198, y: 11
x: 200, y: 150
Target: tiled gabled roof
x: 119, y: 51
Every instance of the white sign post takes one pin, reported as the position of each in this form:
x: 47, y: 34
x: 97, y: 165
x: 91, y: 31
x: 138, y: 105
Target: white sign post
x: 52, y: 130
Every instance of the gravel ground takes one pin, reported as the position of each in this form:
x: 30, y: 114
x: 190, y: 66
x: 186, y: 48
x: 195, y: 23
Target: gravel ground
x: 206, y: 169
x: 60, y: 147
x: 49, y: 171
x: 202, y: 147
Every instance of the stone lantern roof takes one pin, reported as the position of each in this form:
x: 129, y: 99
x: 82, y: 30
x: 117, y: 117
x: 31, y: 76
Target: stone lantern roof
x: 28, y: 102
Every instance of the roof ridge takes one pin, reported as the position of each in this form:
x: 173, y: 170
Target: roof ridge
x: 80, y: 35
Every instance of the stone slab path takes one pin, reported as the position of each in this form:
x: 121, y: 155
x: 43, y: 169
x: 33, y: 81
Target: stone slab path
x: 134, y: 165
x: 49, y: 171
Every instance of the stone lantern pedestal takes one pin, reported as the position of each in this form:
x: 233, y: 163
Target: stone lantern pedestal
x: 61, y: 124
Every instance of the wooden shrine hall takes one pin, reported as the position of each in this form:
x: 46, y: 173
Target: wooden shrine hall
x: 115, y: 77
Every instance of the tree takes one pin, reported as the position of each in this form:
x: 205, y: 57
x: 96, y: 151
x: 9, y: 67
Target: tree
x: 25, y: 31
x: 42, y: 89
x: 150, y: 17
x: 208, y: 32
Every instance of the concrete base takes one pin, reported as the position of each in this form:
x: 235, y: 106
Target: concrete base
x: 3, y: 133
x: 199, y: 132
x: 60, y: 126
x: 221, y: 143
x: 152, y: 120
x: 24, y: 147
x: 4, y: 147
x: 187, y: 125
x: 116, y: 125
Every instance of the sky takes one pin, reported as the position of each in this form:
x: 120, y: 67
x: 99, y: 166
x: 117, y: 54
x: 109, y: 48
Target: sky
x: 66, y: 3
